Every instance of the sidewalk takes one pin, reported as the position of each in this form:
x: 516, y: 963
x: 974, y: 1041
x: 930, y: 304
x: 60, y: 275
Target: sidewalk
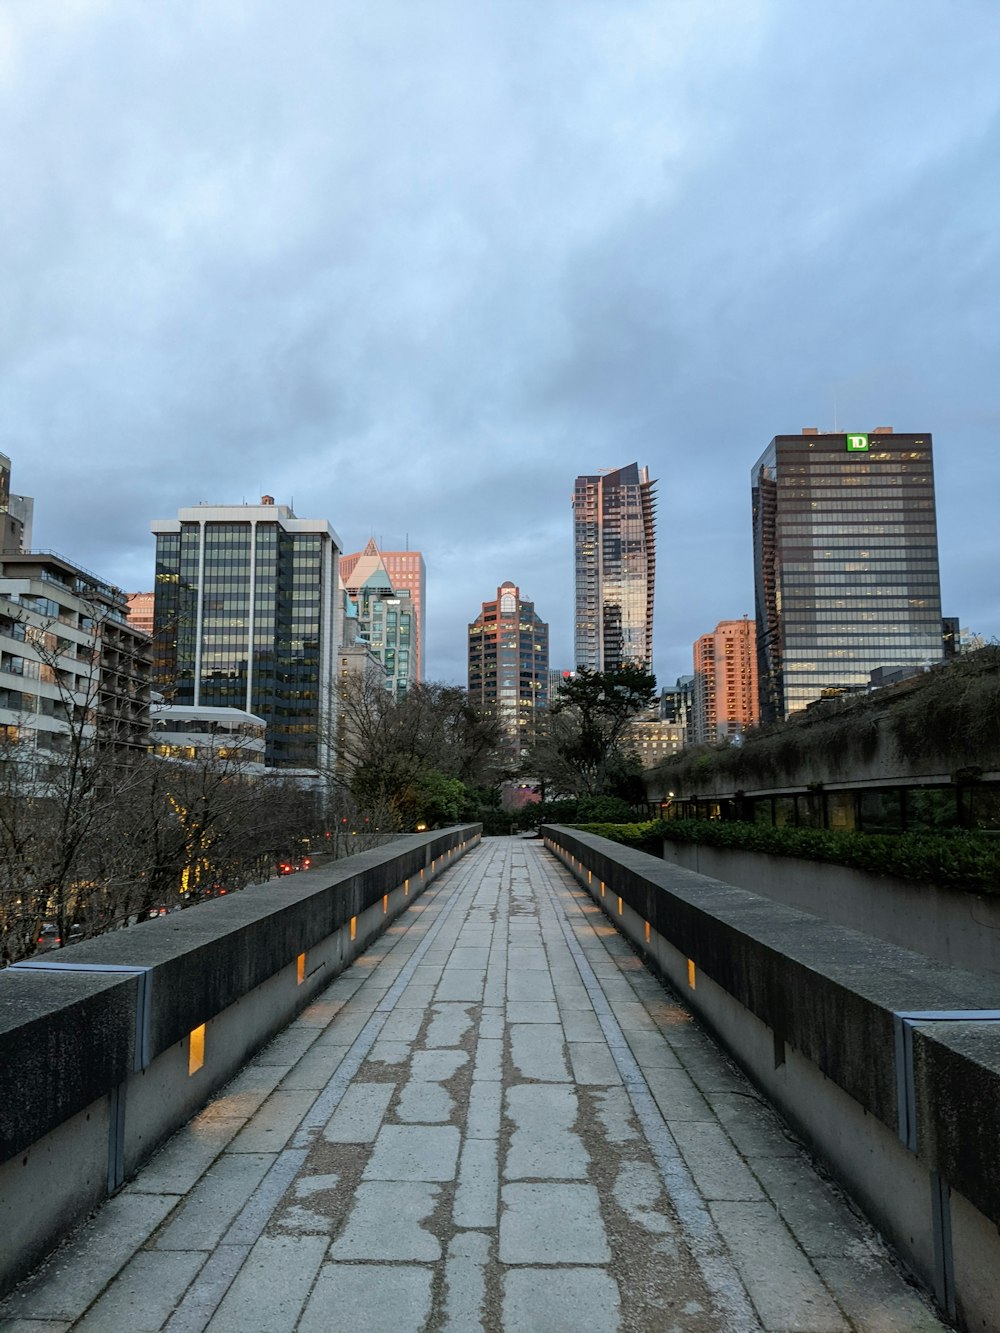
x: 496, y: 1119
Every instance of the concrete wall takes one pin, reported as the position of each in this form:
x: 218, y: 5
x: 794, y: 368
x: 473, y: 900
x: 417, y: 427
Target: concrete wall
x: 961, y: 929
x: 99, y: 1042
x: 887, y: 1063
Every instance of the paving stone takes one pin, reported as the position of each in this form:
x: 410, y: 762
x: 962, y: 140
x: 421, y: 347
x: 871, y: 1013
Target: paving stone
x: 538, y: 1051
x: 401, y: 1025
x: 525, y: 957
x: 676, y: 1096
x: 385, y: 1223
x: 564, y: 1300
x: 543, y: 1144
x: 783, y: 1285
x: 414, y: 1152
x: 80, y: 1270
x: 314, y: 1071
x: 476, y: 1194
x: 204, y: 1217
x: 813, y: 1210
x: 580, y: 1024
x: 464, y: 985
x: 449, y: 1025
x: 593, y: 1063
x: 465, y: 1281
x: 272, y: 1286
x: 489, y: 1059
x: 390, y: 1052
x: 532, y: 1011
x: 381, y: 1299
x: 652, y: 1050
x: 716, y: 1167
x: 491, y: 1023
x: 437, y: 1066
x: 482, y: 1119
x: 273, y: 1125
x: 287, y: 1048
x: 465, y: 957
x: 535, y: 1225
x: 872, y: 1295
x: 359, y: 1116
x: 529, y: 986
x: 144, y: 1294
x: 423, y: 1103
x: 185, y: 1158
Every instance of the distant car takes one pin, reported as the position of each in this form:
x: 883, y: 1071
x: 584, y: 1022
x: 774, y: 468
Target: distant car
x: 289, y: 867
x: 49, y: 937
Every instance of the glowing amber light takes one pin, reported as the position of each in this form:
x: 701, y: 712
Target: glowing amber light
x: 691, y: 974
x: 406, y: 888
x: 300, y: 969
x: 385, y: 902
x: 196, y: 1050
x: 354, y: 927
x: 647, y: 932
x: 620, y: 907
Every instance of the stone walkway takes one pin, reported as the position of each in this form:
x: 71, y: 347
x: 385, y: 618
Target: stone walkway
x: 496, y: 1119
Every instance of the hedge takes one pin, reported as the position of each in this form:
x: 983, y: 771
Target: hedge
x: 957, y: 859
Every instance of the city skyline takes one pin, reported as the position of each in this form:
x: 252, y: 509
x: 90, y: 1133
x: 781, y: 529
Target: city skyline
x: 414, y: 273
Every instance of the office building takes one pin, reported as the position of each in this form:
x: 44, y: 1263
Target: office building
x: 509, y: 666
x: 228, y: 738
x: 845, y: 562
x: 653, y: 739
x: 386, y: 618
x: 615, y: 547
x: 140, y: 610
x: 248, y: 614
x: 725, y: 682
x: 407, y: 574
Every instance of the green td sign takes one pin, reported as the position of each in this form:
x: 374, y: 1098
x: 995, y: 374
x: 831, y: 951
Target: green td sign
x: 857, y: 444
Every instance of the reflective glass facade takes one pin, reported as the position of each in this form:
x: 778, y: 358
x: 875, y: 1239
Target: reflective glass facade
x: 614, y: 543
x: 246, y: 615
x: 845, y: 562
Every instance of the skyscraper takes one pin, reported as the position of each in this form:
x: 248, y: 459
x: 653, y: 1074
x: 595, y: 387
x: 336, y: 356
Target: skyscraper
x: 845, y: 562
x: 386, y: 618
x: 725, y: 681
x: 248, y: 614
x: 509, y: 665
x: 408, y: 574
x: 614, y: 541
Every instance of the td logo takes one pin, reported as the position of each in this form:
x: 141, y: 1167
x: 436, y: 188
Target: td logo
x: 857, y: 444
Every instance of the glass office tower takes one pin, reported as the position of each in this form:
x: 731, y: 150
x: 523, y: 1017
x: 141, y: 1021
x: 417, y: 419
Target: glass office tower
x: 845, y: 562
x: 614, y: 542
x: 247, y: 614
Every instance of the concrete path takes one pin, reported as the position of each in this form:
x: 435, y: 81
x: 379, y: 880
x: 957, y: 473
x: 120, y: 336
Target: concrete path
x: 496, y: 1119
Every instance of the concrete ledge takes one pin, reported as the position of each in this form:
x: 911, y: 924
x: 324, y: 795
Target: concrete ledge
x: 960, y: 929
x: 852, y: 1038
x: 98, y: 1066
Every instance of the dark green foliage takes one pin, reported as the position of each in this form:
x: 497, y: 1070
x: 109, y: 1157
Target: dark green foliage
x: 948, y: 717
x: 958, y: 859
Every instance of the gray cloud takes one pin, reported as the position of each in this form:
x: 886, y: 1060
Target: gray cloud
x: 417, y: 266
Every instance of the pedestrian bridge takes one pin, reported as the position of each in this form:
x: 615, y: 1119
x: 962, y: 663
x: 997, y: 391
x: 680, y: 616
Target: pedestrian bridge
x: 496, y: 1117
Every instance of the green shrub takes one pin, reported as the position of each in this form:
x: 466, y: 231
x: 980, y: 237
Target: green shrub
x: 956, y: 859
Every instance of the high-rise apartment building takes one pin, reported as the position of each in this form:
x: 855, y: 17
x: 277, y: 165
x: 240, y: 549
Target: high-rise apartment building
x: 614, y: 542
x: 248, y: 614
x: 509, y: 665
x: 407, y: 574
x: 845, y: 562
x: 69, y: 659
x: 725, y: 682
x: 140, y: 610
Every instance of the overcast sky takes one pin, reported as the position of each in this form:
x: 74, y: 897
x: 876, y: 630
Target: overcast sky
x: 411, y: 265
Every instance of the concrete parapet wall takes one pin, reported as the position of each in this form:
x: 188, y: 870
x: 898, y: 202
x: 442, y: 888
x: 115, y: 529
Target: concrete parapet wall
x: 886, y: 1062
x: 960, y: 929
x: 108, y: 1046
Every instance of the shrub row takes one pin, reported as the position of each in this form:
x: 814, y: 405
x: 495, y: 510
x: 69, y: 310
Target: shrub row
x: 957, y: 859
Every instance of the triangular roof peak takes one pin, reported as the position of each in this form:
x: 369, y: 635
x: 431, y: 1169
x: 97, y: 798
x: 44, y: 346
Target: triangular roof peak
x: 371, y: 548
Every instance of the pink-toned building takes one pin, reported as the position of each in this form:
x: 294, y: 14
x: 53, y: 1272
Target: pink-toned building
x: 725, y: 681
x: 140, y: 610
x: 408, y: 573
